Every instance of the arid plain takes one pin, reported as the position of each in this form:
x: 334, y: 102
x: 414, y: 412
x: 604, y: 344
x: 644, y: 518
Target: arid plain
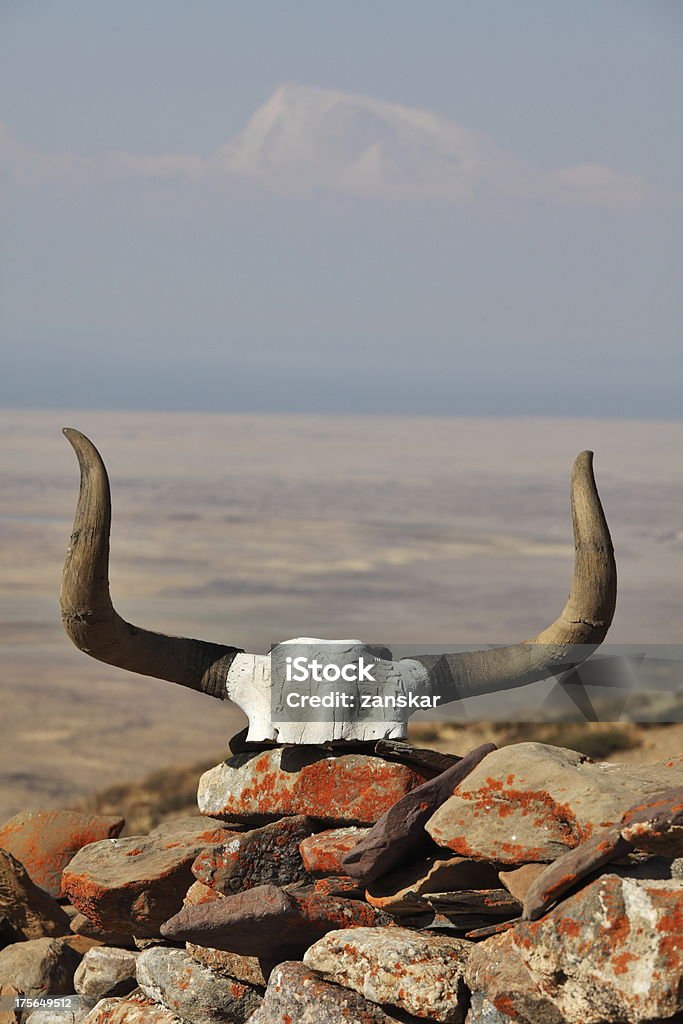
x: 248, y: 529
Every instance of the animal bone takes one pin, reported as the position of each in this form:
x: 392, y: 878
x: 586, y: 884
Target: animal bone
x: 250, y: 681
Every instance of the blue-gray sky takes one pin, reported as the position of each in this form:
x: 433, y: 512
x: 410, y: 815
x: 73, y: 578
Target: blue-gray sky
x: 448, y: 207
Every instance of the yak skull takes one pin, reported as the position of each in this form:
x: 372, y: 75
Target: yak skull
x: 95, y: 627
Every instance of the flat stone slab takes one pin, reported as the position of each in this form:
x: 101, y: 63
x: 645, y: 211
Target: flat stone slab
x: 406, y: 891
x: 261, y: 856
x: 244, y: 968
x: 532, y: 802
x: 192, y: 991
x: 323, y: 853
x: 353, y: 789
x: 482, y: 902
x: 564, y: 873
x: 339, y: 885
x: 106, y: 971
x: 297, y: 995
x: 611, y: 952
x: 399, y: 834
x: 656, y: 825
x: 268, y: 921
x: 135, y: 884
x: 29, y: 910
x: 45, y: 841
x: 421, y: 974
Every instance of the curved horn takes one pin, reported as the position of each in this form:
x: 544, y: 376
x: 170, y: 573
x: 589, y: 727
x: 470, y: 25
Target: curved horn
x: 584, y: 621
x: 88, y: 615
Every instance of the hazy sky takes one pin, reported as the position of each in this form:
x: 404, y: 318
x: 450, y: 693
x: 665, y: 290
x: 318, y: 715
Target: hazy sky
x: 456, y: 208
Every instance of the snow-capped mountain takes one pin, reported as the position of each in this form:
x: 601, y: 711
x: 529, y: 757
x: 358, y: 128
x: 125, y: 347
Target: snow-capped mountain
x: 306, y: 138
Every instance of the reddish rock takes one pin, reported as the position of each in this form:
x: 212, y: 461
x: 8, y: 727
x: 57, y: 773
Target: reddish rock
x: 399, y: 834
x: 262, y: 856
x: 656, y: 826
x: 339, y: 885
x: 518, y: 881
x: 45, y: 841
x: 352, y: 789
x: 532, y: 802
x: 268, y: 921
x: 244, y: 968
x: 563, y: 874
x: 134, y: 884
x: 199, y: 893
x: 28, y: 909
x: 322, y: 853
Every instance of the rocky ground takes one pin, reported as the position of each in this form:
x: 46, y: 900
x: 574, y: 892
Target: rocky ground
x: 383, y: 883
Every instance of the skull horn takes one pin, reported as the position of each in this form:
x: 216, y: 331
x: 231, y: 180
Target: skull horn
x: 572, y: 637
x: 88, y: 614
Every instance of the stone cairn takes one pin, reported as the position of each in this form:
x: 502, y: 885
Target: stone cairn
x: 370, y: 884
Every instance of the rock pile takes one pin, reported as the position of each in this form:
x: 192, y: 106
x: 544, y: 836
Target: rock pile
x: 364, y: 886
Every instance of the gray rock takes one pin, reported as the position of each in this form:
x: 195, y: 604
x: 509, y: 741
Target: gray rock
x: 106, y: 971
x: 481, y: 1011
x: 194, y: 992
x: 420, y: 974
x: 134, y: 1009
x: 496, y: 969
x: 532, y: 802
x: 297, y: 995
x: 39, y: 966
x: 612, y: 952
x: 77, y: 1015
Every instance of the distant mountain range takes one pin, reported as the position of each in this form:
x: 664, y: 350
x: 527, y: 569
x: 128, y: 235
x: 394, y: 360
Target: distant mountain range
x: 304, y: 139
